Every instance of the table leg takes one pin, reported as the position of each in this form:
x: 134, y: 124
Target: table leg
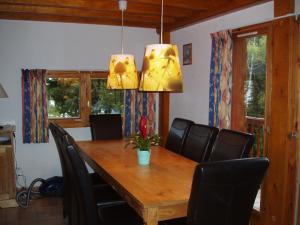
x: 151, y: 217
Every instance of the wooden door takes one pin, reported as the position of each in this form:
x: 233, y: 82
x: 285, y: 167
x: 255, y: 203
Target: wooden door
x: 244, y: 117
x: 280, y: 126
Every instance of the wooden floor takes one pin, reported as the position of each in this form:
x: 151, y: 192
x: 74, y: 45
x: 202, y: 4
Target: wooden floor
x: 46, y: 211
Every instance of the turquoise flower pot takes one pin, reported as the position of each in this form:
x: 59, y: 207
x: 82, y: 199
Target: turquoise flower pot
x: 143, y: 157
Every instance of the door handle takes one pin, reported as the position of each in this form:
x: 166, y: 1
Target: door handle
x: 293, y: 135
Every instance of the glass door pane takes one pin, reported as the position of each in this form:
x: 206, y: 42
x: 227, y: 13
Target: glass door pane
x: 255, y: 92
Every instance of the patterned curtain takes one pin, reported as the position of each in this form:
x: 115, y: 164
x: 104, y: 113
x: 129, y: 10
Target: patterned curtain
x: 136, y: 105
x: 35, y: 117
x: 220, y: 80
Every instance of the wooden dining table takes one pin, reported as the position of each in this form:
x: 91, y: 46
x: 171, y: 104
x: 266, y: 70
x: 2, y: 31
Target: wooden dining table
x: 158, y: 191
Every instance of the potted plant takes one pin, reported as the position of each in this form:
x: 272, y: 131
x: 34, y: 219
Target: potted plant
x: 142, y: 142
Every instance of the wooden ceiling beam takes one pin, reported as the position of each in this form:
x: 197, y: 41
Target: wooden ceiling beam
x: 155, y: 19
x: 283, y: 7
x: 143, y: 13
x: 190, y: 4
x: 107, y: 5
x: 218, y: 11
x: 70, y: 19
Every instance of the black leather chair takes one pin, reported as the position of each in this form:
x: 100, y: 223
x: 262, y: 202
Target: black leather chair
x: 86, y: 207
x: 199, y: 142
x: 177, y: 134
x: 224, y: 192
x: 58, y: 142
x: 105, y: 195
x: 58, y: 132
x: 106, y: 126
x: 231, y: 144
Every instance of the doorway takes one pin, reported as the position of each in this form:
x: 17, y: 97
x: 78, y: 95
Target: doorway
x: 270, y: 116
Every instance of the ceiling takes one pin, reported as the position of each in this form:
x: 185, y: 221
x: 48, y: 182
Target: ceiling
x: 139, y: 13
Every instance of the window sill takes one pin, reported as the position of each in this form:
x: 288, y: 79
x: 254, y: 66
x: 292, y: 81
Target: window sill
x: 70, y: 123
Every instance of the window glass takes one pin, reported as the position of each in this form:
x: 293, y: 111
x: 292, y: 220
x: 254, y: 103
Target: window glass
x: 104, y: 100
x: 63, y: 97
x: 256, y: 76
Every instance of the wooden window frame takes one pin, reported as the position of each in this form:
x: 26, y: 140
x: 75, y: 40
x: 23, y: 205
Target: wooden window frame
x: 85, y: 95
x: 238, y: 111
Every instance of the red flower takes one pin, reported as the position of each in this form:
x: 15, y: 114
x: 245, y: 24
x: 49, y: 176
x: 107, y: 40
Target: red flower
x: 143, y: 126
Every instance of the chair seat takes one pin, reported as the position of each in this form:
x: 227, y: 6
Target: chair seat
x: 178, y: 221
x: 119, y: 215
x: 106, y: 196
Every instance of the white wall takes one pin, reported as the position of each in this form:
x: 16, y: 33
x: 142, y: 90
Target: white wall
x: 297, y: 6
x: 193, y: 102
x: 59, y: 46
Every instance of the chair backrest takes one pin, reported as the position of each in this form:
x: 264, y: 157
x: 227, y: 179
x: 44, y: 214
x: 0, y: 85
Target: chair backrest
x: 199, y: 142
x: 106, y: 126
x: 81, y: 185
x: 58, y: 133
x: 177, y: 134
x: 224, y: 192
x: 231, y: 144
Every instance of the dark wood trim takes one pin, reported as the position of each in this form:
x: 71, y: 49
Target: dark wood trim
x: 297, y: 73
x: 238, y: 114
x: 164, y: 104
x: 283, y: 7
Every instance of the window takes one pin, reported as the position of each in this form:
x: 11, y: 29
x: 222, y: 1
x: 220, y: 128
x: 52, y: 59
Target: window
x: 73, y: 95
x: 104, y: 100
x: 63, y: 97
x: 255, y: 83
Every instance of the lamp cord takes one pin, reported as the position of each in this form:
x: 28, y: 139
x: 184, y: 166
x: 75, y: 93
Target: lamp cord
x: 122, y: 33
x: 161, y: 21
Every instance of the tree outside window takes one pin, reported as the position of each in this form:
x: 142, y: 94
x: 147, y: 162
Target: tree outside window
x: 73, y: 95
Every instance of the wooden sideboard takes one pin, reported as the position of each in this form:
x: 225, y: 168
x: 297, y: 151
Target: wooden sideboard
x: 7, y: 171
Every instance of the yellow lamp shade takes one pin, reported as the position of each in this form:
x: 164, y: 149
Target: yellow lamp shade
x: 122, y: 72
x: 161, y: 69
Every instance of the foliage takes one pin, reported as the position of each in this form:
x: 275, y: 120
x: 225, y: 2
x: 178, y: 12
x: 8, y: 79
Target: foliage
x: 104, y: 100
x: 255, y: 84
x: 142, y: 140
x: 144, y: 144
x: 65, y: 95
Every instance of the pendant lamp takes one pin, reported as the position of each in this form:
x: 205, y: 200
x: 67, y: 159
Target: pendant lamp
x: 161, y: 67
x: 122, y: 67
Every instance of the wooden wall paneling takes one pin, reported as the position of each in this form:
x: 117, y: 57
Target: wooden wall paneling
x: 164, y: 103
x: 268, y: 114
x: 291, y: 163
x: 280, y: 180
x: 283, y: 7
